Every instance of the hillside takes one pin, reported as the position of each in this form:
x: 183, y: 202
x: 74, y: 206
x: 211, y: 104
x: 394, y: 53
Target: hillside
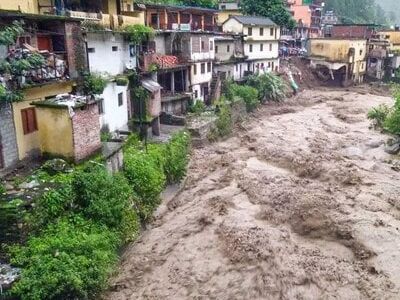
x: 390, y: 6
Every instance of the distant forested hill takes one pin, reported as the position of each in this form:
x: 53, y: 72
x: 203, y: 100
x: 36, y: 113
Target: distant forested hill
x: 392, y: 7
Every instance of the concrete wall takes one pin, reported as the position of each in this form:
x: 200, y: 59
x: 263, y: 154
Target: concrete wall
x: 55, y: 131
x: 25, y: 6
x: 8, y: 139
x: 234, y: 71
x: 197, y: 53
x: 232, y: 26
x: 104, y: 58
x: 393, y: 37
x: 270, y: 33
x: 337, y: 50
x: 86, y: 132
x: 224, y: 49
x: 199, y: 77
x: 114, y: 116
x: 269, y: 50
x: 29, y: 144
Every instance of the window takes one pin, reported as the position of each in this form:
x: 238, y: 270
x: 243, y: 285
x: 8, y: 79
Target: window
x: 203, y: 68
x: 120, y: 99
x: 211, y: 45
x: 261, y: 31
x: 203, y: 46
x: 91, y: 50
x: 251, y: 48
x: 237, y: 68
x: 101, y: 107
x: 271, y: 31
x: 208, y: 67
x: 195, y: 69
x: 196, y: 94
x: 273, y: 66
x: 361, y: 52
x: 228, y: 48
x: 229, y: 73
x: 223, y: 6
x: 270, y: 47
x: 29, y: 123
x: 261, y: 47
x: 216, y: 49
x: 250, y: 31
x: 114, y: 48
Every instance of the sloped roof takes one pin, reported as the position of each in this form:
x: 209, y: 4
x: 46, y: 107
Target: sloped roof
x: 151, y: 85
x: 254, y: 21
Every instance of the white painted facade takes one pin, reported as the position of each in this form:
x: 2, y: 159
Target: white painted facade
x: 261, y: 45
x: 114, y: 113
x: 200, y: 79
x: 110, y: 54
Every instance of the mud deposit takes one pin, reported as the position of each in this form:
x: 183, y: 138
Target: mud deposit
x: 301, y: 203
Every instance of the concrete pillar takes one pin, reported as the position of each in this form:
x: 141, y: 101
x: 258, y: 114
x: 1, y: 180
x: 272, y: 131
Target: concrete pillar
x: 173, y: 83
x: 156, y: 126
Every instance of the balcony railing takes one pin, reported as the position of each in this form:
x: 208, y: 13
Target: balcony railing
x: 184, y: 26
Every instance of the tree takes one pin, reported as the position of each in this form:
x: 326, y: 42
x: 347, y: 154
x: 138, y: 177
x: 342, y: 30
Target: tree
x: 273, y: 9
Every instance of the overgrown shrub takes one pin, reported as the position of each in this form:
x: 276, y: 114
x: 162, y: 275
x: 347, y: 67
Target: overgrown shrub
x: 2, y: 188
x: 269, y: 86
x: 177, y: 157
x: 247, y: 93
x: 223, y: 124
x: 107, y: 199
x: 146, y: 177
x: 69, y: 260
x: 93, y: 84
x: 139, y: 33
x: 378, y: 114
x: 198, y: 107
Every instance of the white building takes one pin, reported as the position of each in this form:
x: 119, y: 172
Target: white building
x: 261, y: 41
x: 110, y: 54
x: 229, y: 57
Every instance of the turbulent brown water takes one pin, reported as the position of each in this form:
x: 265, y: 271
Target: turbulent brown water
x: 301, y: 202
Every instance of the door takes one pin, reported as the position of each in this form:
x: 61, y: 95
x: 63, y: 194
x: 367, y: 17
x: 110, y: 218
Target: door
x: 207, y: 99
x: 44, y: 43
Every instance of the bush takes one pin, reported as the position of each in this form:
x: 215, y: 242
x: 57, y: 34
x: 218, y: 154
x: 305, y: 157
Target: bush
x: 176, y: 157
x: 107, y: 199
x: 94, y: 84
x: 269, y: 86
x: 378, y: 114
x: 198, y: 107
x: 2, y: 188
x: 224, y: 122
x: 247, y: 93
x: 145, y: 174
x: 69, y: 260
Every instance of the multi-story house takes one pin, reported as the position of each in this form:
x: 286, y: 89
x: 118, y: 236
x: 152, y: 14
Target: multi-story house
x: 342, y: 60
x: 111, y: 54
x: 261, y: 41
x: 181, y: 54
x: 226, y: 9
x: 108, y: 13
x: 229, y: 57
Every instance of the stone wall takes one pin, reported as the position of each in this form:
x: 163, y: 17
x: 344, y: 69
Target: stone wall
x: 8, y: 139
x: 86, y: 132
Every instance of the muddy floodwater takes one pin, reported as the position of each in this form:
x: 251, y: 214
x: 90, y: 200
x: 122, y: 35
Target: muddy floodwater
x: 301, y: 202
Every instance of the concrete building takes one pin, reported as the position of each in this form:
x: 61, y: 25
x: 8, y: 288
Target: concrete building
x: 182, y: 54
x: 110, y: 54
x: 261, y: 42
x: 341, y: 60
x: 229, y: 57
x: 109, y: 13
x: 361, y: 31
x: 227, y: 8
x: 57, y: 41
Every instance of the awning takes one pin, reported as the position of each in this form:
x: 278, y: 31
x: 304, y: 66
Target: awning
x: 151, y: 85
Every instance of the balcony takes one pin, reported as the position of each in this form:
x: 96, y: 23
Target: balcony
x: 151, y: 62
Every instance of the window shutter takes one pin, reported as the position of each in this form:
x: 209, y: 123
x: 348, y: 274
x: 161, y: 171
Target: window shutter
x: 24, y: 121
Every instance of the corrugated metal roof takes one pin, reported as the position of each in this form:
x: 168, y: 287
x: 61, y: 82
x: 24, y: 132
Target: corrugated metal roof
x: 250, y: 20
x: 151, y: 85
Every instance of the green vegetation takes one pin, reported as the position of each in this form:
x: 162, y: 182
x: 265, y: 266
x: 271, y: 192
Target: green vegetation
x: 93, y: 84
x: 359, y: 11
x: 2, y: 188
x: 78, y: 226
x: 269, y: 86
x: 138, y: 33
x: 244, y: 92
x: 198, y: 107
x: 378, y: 115
x: 196, y: 3
x: 122, y: 80
x: 273, y: 9
x: 388, y: 118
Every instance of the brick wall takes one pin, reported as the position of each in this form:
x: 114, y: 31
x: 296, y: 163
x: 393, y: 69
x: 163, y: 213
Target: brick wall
x: 8, y: 139
x: 354, y: 31
x: 86, y: 131
x: 76, y: 51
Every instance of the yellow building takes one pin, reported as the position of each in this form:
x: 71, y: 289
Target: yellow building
x: 27, y: 120
x: 24, y: 6
x: 393, y: 36
x: 340, y: 59
x: 227, y: 8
